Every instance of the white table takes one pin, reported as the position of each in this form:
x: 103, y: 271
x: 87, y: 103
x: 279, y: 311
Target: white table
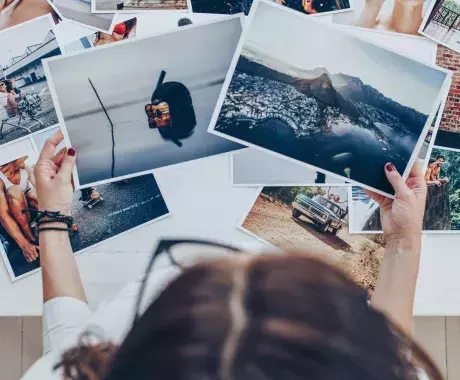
x: 204, y: 204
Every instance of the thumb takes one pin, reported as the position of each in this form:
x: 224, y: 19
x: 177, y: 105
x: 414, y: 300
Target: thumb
x: 399, y: 185
x: 67, y: 164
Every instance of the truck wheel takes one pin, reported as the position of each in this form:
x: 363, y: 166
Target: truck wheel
x: 335, y: 231
x: 325, y: 227
x: 296, y: 213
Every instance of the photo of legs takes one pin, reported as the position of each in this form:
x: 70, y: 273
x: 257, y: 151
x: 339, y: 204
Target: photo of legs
x: 14, y: 12
x: 397, y: 16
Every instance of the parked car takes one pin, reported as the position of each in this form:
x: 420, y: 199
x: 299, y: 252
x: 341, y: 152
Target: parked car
x: 322, y: 211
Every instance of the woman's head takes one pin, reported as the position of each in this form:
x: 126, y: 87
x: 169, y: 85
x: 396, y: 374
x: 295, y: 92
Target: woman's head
x: 3, y: 87
x: 263, y: 318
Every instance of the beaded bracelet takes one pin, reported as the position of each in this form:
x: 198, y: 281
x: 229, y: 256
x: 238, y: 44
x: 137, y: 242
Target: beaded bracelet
x: 51, y: 217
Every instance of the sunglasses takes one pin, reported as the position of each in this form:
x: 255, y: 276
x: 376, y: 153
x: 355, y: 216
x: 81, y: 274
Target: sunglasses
x: 183, y: 254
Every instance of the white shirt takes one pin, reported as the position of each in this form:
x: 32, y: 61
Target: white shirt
x: 65, y: 318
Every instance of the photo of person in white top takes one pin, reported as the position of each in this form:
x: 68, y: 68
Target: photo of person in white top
x: 17, y: 193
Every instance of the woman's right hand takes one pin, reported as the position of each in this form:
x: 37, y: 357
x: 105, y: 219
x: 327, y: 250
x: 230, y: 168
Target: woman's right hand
x: 402, y: 217
x: 53, y: 176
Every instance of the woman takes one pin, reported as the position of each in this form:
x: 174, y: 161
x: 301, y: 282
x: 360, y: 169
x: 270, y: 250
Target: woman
x: 8, y: 100
x: 13, y: 12
x: 237, y: 317
x: 121, y: 31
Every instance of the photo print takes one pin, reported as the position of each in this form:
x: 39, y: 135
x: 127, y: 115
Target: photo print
x: 156, y: 113
x: 334, y: 102
x: 122, y: 31
x: 315, y: 218
x: 442, y: 209
x: 79, y: 11
x: 308, y: 7
x: 100, y: 213
x: 442, y: 24
x: 449, y: 129
x: 387, y: 16
x: 251, y: 167
x: 107, y: 6
x: 14, y: 12
x: 26, y: 105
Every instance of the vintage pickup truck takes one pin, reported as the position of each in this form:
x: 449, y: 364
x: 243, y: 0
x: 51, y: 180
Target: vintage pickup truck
x: 323, y: 212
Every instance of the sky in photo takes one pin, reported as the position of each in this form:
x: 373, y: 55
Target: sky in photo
x: 14, y: 41
x: 307, y: 44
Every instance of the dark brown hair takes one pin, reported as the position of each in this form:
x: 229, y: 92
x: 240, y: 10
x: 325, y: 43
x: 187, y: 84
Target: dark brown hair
x: 291, y: 318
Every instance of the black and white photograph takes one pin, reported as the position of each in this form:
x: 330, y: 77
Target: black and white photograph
x: 120, y: 6
x: 442, y: 23
x: 314, y: 217
x: 385, y: 16
x: 307, y: 7
x: 100, y: 213
x: 123, y: 122
x: 333, y: 102
x: 26, y: 105
x: 251, y: 167
x: 79, y: 11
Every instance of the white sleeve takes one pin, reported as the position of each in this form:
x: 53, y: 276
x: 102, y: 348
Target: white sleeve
x: 63, y: 320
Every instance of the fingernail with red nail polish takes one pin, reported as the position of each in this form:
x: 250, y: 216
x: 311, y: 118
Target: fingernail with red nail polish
x: 389, y: 167
x: 71, y: 152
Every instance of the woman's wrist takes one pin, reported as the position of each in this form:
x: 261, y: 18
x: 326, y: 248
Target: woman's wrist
x: 409, y: 244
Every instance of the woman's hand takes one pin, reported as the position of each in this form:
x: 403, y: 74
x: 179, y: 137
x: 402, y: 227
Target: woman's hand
x: 402, y: 218
x: 53, y: 176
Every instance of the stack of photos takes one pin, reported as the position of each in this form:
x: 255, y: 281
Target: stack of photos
x: 316, y: 218
x: 14, y: 12
x: 99, y: 213
x: 251, y: 167
x: 122, y: 31
x: 442, y: 24
x: 333, y: 102
x: 105, y: 6
x: 307, y: 7
x: 387, y: 16
x: 79, y: 11
x: 26, y: 105
x: 156, y: 112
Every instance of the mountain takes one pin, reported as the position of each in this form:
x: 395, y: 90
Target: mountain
x: 342, y: 91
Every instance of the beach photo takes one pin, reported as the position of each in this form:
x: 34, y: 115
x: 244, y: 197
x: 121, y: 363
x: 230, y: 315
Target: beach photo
x: 106, y: 6
x: 79, y: 11
x: 157, y: 113
x: 387, y: 16
x: 442, y: 209
x: 122, y: 31
x: 307, y: 7
x: 442, y: 23
x: 99, y: 213
x: 333, y: 102
x: 449, y: 129
x: 14, y: 12
x: 315, y: 217
x: 26, y: 105
x: 251, y: 167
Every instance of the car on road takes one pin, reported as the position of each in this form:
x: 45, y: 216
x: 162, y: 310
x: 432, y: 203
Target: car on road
x: 323, y: 212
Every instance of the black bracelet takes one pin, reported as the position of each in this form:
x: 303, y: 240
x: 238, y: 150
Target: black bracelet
x: 51, y: 217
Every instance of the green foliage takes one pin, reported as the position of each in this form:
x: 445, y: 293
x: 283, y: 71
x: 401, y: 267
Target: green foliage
x: 287, y: 194
x: 452, y: 5
x: 451, y: 170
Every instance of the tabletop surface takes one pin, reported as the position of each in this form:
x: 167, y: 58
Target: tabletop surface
x: 204, y: 204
